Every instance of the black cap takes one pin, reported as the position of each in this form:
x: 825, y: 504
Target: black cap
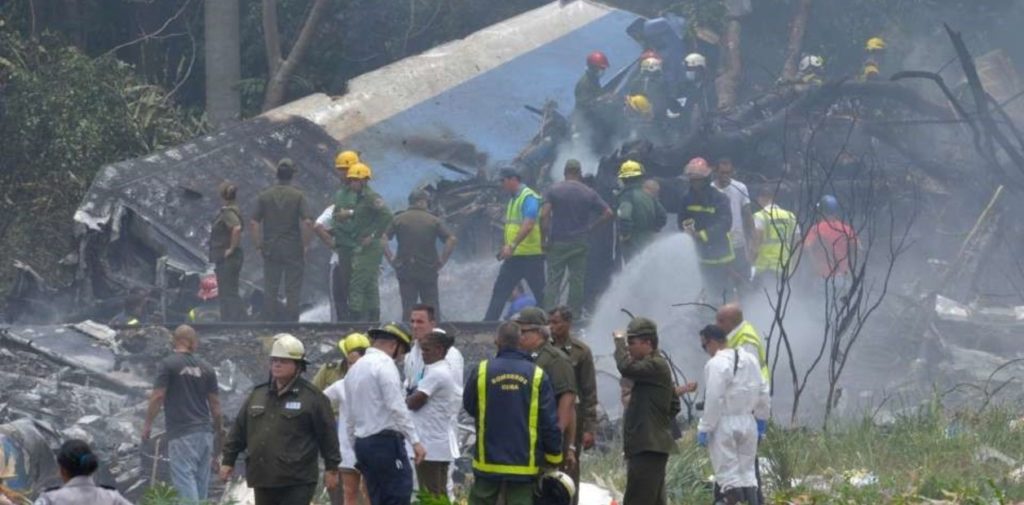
x: 508, y: 172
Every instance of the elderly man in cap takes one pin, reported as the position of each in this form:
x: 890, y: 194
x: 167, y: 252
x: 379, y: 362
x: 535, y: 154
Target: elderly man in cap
x: 647, y: 420
x: 522, y: 254
x: 379, y: 421
x: 282, y: 426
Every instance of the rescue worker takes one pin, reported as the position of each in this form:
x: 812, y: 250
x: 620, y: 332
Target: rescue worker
x: 283, y: 425
x: 77, y: 463
x: 874, y: 51
x: 697, y: 95
x: 582, y: 360
x: 334, y: 371
x: 640, y: 216
x: 588, y: 88
x: 831, y: 242
x: 647, y: 419
x: 334, y: 229
x: 775, y: 234
x: 208, y: 310
x: 522, y: 254
x: 705, y: 216
x: 282, y: 229
x: 417, y: 264
x: 639, y: 114
x: 736, y: 409
x: 651, y: 84
x: 353, y: 348
x: 370, y: 218
x: 571, y: 211
x: 226, y: 254
x: 517, y: 432
x: 134, y: 311
x: 535, y: 340
x: 812, y: 70
x: 379, y: 424
x: 594, y: 110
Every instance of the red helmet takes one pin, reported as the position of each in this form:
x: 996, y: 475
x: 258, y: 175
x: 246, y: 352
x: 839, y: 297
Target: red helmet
x: 597, y: 59
x: 650, y: 53
x: 207, y: 288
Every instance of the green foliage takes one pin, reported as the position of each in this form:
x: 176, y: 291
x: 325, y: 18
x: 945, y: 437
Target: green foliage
x: 160, y: 494
x: 424, y: 497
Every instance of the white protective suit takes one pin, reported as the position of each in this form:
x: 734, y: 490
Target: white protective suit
x: 735, y: 394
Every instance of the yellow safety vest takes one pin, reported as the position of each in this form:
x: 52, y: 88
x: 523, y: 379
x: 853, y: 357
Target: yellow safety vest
x: 531, y: 245
x: 747, y: 335
x: 779, y: 226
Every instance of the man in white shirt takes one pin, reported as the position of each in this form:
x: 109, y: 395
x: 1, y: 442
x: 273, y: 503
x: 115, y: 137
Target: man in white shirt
x: 379, y: 422
x: 434, y: 405
x: 742, y: 219
x: 422, y: 323
x: 354, y: 347
x: 337, y: 287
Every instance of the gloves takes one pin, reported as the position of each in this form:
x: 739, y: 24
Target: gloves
x: 702, y: 438
x: 762, y: 428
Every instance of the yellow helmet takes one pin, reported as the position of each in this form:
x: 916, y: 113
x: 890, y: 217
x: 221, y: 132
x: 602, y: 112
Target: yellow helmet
x: 870, y: 70
x: 875, y: 44
x: 359, y: 171
x: 288, y: 347
x: 640, y: 104
x: 346, y: 159
x: 353, y: 342
x: 395, y: 330
x: 630, y: 169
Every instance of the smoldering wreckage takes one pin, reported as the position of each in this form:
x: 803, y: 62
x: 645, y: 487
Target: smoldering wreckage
x: 942, y: 150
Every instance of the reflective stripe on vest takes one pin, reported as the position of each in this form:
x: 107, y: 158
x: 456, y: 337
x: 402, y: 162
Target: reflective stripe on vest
x: 779, y: 226
x: 530, y: 246
x: 480, y: 461
x: 747, y: 335
x: 703, y: 236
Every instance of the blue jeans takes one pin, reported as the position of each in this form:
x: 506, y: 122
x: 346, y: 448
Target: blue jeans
x: 190, y: 457
x: 385, y: 467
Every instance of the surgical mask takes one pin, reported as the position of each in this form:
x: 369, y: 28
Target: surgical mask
x: 691, y: 75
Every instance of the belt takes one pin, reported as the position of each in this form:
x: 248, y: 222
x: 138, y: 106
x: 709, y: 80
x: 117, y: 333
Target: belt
x: 386, y: 434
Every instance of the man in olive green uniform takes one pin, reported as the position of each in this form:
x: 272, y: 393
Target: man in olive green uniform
x: 226, y: 254
x: 338, y: 235
x: 370, y: 218
x: 417, y: 264
x: 582, y: 361
x: 640, y: 216
x: 536, y: 341
x: 647, y: 421
x: 283, y: 426
x: 282, y: 228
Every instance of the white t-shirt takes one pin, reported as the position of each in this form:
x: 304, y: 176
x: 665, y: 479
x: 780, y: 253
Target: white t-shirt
x: 326, y: 220
x: 738, y: 198
x: 434, y: 420
x: 336, y: 393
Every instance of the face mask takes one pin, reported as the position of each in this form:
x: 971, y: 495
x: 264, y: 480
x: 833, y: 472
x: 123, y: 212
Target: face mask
x: 691, y: 75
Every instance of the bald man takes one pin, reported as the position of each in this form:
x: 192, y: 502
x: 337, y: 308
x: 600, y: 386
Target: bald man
x: 741, y: 334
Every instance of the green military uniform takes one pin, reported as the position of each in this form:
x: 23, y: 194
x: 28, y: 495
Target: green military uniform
x: 370, y: 220
x: 582, y: 360
x: 647, y: 421
x: 227, y: 268
x: 344, y: 246
x: 329, y: 374
x: 588, y: 90
x: 640, y: 217
x: 281, y: 209
x: 416, y: 260
x: 283, y: 432
x: 558, y: 368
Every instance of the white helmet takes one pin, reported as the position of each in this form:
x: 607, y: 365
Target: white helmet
x: 650, y: 65
x: 695, y: 60
x: 288, y: 347
x: 811, y: 61
x: 555, y: 488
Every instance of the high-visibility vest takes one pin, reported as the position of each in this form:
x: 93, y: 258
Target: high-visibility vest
x: 747, y: 335
x: 531, y: 245
x: 777, y: 246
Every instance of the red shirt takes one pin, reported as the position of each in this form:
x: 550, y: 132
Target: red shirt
x: 831, y: 242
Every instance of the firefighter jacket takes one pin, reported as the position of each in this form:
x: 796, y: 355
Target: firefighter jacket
x: 709, y: 210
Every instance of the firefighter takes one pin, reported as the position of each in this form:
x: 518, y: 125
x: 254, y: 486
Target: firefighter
x: 812, y: 70
x: 874, y: 51
x: 705, y: 216
x: 370, y: 218
x: 639, y: 215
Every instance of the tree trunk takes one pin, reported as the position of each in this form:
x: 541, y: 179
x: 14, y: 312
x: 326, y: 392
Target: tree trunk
x: 280, y: 71
x: 223, y: 62
x: 796, y: 39
x: 728, y: 82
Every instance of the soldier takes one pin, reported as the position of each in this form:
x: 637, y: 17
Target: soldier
x: 647, y: 420
x: 77, y: 464
x: 334, y: 371
x: 640, y: 216
x: 370, y: 218
x: 282, y: 426
x: 282, y: 229
x: 334, y: 234
x: 226, y: 254
x: 417, y: 264
x: 582, y: 361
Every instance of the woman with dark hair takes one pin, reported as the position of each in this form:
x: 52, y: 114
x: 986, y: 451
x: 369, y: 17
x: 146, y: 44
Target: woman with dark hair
x: 77, y: 464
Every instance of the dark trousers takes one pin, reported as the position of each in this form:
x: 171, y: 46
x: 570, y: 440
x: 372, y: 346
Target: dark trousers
x: 645, y: 479
x: 384, y: 464
x: 497, y: 492
x: 341, y: 275
x: 433, y: 477
x: 287, y: 267
x: 289, y: 495
x: 566, y: 260
x: 418, y: 288
x: 513, y: 270
x: 228, y: 272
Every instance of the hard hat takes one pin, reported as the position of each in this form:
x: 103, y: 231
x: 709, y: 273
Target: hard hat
x: 697, y: 168
x: 829, y: 204
x: 641, y: 326
x: 695, y: 60
x: 346, y: 159
x: 650, y: 65
x: 359, y: 171
x: 811, y: 61
x: 650, y: 53
x: 288, y: 347
x: 870, y: 70
x: 353, y: 342
x: 875, y: 44
x: 597, y: 59
x: 207, y: 288
x: 640, y: 104
x: 555, y: 488
x: 630, y: 169
x: 398, y: 331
